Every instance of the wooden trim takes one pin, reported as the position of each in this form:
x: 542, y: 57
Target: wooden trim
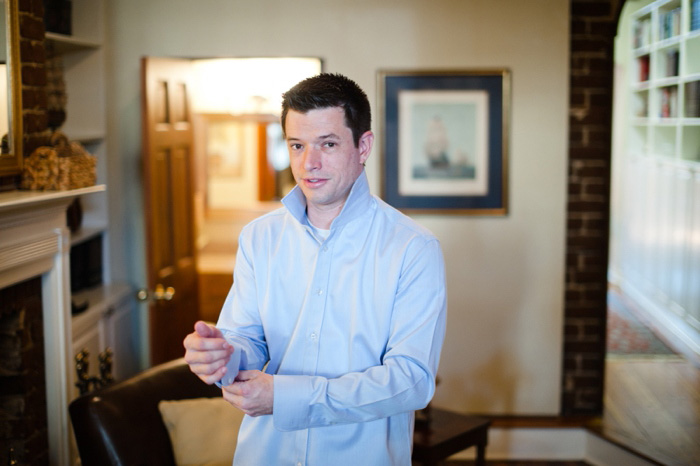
x: 541, y: 421
x: 266, y: 172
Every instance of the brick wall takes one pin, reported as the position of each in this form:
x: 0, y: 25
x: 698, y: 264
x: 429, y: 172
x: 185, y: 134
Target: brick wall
x: 593, y: 29
x: 33, y: 60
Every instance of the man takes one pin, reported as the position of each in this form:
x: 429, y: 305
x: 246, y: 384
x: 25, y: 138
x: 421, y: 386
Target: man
x: 337, y: 311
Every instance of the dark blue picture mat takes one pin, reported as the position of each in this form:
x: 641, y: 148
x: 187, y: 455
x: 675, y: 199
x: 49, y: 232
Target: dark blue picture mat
x: 493, y: 85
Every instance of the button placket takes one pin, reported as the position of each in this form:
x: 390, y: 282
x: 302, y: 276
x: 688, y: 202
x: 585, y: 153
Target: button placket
x: 302, y: 445
x: 317, y: 309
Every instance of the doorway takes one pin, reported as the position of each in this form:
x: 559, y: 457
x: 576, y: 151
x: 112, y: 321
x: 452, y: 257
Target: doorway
x: 653, y: 277
x: 242, y: 168
x: 655, y: 200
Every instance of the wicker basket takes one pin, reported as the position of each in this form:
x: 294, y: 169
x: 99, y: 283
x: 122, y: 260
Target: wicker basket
x: 61, y: 167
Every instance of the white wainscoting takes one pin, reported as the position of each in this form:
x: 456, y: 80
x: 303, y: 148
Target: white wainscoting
x: 655, y: 246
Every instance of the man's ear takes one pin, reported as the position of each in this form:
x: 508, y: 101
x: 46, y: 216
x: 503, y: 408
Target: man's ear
x: 365, y: 145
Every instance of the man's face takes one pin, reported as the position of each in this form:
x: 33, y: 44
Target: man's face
x: 323, y: 156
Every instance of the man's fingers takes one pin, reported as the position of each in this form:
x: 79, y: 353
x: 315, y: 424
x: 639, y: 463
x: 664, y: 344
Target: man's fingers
x: 246, y: 375
x: 252, y: 393
x: 207, y: 331
x: 235, y: 389
x: 210, y: 372
x: 207, y: 352
x: 207, y: 356
x: 194, y: 341
x: 207, y: 377
x: 234, y: 399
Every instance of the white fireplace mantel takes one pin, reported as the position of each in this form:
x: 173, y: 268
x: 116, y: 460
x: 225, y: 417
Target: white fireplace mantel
x: 34, y: 241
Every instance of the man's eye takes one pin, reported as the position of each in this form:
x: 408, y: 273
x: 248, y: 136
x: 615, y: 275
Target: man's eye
x: 295, y: 146
x: 330, y: 144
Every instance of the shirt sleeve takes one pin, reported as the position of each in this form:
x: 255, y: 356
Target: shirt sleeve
x: 405, y: 381
x: 242, y: 329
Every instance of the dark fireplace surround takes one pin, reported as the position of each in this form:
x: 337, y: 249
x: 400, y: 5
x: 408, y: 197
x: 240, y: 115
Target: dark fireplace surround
x: 23, y: 423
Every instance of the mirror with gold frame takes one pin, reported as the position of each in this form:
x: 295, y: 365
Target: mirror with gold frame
x: 10, y: 92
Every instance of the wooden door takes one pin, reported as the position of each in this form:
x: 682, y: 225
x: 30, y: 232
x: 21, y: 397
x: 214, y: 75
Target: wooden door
x: 169, y: 204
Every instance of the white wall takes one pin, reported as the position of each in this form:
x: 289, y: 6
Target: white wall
x: 503, y: 349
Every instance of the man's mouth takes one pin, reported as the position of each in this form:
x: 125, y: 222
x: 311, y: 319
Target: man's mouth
x: 313, y: 182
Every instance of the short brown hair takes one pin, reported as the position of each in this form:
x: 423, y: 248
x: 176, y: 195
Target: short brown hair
x: 328, y: 90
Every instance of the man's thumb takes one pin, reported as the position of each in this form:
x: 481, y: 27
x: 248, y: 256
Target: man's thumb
x: 205, y: 330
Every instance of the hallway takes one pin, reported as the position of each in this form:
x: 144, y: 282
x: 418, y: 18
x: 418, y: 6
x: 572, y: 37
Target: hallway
x: 652, y: 395
x: 652, y: 406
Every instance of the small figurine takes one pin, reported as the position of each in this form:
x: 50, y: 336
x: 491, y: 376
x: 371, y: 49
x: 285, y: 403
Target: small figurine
x: 106, y: 366
x: 86, y: 383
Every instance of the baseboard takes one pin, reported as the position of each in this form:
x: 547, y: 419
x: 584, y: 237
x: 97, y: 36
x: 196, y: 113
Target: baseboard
x: 553, y: 444
x: 532, y: 444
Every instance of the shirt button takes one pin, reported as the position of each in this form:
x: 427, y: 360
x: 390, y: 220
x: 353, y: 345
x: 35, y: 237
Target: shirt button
x: 313, y: 336
x: 319, y: 292
x: 325, y: 248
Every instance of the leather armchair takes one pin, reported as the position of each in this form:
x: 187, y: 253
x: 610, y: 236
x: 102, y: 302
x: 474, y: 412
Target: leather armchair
x: 121, y: 424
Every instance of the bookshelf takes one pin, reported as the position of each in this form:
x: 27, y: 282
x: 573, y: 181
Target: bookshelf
x: 665, y: 82
x: 655, y: 255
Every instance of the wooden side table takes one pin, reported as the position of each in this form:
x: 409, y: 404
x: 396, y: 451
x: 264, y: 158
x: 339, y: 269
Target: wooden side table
x: 448, y: 433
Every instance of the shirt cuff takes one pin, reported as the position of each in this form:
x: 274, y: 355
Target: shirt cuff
x: 232, y: 367
x: 290, y: 408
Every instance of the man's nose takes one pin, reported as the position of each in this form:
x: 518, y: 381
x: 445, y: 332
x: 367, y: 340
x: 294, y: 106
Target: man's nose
x: 312, y: 159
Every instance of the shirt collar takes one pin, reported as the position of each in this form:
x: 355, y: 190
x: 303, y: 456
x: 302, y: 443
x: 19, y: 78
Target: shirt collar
x: 358, y: 202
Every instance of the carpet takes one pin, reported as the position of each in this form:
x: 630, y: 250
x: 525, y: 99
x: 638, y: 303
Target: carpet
x: 628, y: 335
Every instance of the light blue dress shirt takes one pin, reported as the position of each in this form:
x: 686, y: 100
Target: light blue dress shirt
x: 351, y: 327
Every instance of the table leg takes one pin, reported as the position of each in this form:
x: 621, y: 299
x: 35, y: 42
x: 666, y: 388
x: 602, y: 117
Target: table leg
x: 480, y: 454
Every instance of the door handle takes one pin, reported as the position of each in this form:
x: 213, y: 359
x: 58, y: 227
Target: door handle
x: 161, y: 293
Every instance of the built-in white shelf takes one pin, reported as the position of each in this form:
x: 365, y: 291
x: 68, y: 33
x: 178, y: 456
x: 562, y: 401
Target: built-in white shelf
x: 86, y: 233
x: 100, y: 299
x: 61, y: 44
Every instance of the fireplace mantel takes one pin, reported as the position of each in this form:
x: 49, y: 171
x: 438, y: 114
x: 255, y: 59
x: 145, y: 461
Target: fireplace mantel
x: 13, y: 200
x: 34, y: 241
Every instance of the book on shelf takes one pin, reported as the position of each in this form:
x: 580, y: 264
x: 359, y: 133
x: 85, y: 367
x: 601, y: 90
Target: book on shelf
x: 670, y: 23
x: 669, y: 102
x: 641, y: 107
x: 695, y: 15
x: 643, y: 63
x: 692, y: 99
x: 672, y: 61
x: 642, y: 33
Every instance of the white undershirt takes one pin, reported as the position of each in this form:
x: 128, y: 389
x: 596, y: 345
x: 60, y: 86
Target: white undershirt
x: 320, y: 233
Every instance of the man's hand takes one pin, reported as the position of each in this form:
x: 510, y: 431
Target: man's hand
x: 252, y: 393
x: 207, y: 352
